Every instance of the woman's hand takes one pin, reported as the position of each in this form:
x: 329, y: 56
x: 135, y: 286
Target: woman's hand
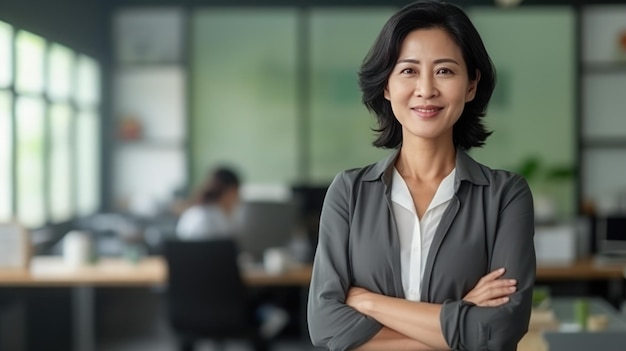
x: 357, y: 299
x: 490, y: 291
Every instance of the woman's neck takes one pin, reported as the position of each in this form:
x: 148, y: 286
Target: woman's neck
x: 426, y: 161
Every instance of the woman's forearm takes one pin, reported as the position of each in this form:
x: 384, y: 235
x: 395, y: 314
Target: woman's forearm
x: 415, y: 320
x: 388, y: 339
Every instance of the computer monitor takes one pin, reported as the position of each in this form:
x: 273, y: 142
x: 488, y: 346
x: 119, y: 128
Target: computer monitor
x: 611, y: 235
x: 609, y: 340
x: 266, y: 224
x: 310, y: 199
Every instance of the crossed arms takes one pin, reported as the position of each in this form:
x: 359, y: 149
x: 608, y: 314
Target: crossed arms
x: 489, y: 317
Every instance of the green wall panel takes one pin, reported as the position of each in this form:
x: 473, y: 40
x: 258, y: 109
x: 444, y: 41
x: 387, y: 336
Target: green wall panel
x: 341, y: 127
x: 532, y: 112
x: 243, y: 93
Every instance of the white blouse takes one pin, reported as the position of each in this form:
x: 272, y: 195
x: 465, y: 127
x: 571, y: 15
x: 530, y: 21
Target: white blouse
x: 206, y: 222
x: 416, y: 236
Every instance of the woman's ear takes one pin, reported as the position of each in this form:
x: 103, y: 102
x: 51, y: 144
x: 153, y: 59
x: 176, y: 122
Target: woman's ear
x: 473, y: 86
x: 386, y: 93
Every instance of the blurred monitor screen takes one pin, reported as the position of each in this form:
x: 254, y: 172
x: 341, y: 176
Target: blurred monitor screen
x: 611, y: 235
x: 266, y: 224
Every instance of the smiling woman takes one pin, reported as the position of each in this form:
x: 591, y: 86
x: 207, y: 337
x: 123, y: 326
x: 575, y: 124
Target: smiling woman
x: 425, y: 249
x: 429, y: 86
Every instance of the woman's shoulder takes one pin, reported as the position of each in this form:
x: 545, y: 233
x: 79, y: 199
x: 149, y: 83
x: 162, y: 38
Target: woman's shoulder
x: 368, y: 172
x: 504, y: 180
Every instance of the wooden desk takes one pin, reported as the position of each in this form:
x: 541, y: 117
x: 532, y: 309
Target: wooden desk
x: 586, y: 271
x: 51, y: 271
x: 583, y: 269
x: 295, y: 276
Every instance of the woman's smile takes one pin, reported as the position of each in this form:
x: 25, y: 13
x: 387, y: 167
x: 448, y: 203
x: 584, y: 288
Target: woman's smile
x: 427, y: 112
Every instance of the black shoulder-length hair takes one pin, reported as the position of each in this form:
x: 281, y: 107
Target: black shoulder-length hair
x: 220, y: 180
x: 377, y: 66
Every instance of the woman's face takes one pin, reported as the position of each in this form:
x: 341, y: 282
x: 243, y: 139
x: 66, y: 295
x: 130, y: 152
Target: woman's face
x: 429, y: 86
x: 230, y: 198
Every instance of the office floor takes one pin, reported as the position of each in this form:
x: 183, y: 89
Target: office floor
x: 135, y: 320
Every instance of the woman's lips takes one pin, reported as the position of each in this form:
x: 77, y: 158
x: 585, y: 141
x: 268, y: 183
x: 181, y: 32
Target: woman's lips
x: 426, y: 111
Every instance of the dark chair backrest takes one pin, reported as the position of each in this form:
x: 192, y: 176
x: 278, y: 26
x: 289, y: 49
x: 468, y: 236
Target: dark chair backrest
x: 205, y: 293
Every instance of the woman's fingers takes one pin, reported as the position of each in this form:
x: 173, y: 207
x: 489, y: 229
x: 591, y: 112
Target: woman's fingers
x: 490, y: 277
x: 492, y: 292
x: 495, y: 302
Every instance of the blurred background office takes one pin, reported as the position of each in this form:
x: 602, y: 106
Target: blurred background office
x: 111, y: 112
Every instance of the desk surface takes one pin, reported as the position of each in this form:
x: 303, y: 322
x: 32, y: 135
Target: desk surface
x: 50, y: 271
x: 583, y: 269
x: 47, y: 271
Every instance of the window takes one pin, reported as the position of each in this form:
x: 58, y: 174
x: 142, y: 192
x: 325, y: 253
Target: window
x: 88, y: 83
x: 87, y: 142
x: 59, y: 88
x: 30, y: 159
x: 60, y: 61
x: 6, y: 55
x: 88, y: 136
x: 49, y: 130
x: 6, y: 150
x: 60, y: 171
x: 29, y: 62
x: 6, y: 122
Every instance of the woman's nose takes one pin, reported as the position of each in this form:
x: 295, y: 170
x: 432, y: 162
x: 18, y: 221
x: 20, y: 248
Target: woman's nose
x: 425, y: 87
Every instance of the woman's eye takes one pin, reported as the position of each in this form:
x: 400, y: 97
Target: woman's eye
x: 407, y: 71
x: 444, y: 71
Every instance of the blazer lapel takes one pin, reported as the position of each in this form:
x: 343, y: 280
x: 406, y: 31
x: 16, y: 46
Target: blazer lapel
x: 442, y: 230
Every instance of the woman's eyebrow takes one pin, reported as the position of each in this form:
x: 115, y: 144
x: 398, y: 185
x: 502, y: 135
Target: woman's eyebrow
x: 437, y: 61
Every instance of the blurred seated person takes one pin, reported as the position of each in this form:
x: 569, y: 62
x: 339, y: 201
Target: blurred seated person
x: 214, y: 212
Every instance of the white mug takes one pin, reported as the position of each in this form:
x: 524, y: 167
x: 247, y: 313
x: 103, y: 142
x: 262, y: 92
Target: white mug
x: 76, y: 248
x: 275, y: 260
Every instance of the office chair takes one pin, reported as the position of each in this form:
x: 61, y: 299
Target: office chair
x: 206, y: 297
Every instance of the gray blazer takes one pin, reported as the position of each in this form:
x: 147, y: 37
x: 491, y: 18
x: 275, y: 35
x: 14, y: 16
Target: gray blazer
x: 488, y: 224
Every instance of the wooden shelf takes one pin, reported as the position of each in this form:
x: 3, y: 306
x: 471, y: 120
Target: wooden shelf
x: 139, y: 66
x: 151, y: 144
x: 604, y: 67
x: 604, y: 142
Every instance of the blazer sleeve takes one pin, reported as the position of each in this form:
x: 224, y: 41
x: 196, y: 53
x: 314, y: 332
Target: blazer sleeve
x: 333, y: 324
x: 469, y: 327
